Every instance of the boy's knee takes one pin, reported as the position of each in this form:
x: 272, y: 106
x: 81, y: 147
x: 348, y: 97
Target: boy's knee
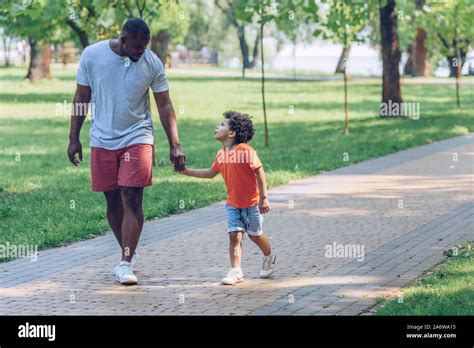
x: 255, y: 238
x: 235, y: 236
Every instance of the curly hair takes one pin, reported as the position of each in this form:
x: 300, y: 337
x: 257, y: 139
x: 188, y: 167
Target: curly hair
x: 241, y: 124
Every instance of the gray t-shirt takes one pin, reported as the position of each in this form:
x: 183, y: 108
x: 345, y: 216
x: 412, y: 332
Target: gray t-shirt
x: 120, y: 104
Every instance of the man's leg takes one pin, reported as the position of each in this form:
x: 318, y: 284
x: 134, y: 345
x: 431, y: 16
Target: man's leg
x: 115, y: 213
x: 132, y: 223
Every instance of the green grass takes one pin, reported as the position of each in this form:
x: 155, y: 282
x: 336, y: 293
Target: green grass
x: 36, y: 192
x: 447, y: 289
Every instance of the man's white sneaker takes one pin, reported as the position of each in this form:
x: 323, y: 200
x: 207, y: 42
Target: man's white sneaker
x: 133, y: 262
x: 233, y: 276
x: 124, y: 273
x: 268, y: 266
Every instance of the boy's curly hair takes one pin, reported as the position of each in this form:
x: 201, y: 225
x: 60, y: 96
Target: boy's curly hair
x: 241, y: 124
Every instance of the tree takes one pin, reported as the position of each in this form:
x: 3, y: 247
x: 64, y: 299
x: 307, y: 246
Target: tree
x: 450, y: 30
x: 238, y: 18
x: 295, y: 23
x: 171, y: 22
x: 37, y: 22
x: 417, y: 62
x: 341, y: 22
x: 266, y: 11
x: 391, y: 90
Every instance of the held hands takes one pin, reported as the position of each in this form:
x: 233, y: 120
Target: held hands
x: 178, y: 158
x: 263, y: 206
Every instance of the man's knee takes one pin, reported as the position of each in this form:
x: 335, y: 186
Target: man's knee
x: 132, y: 198
x: 114, y: 200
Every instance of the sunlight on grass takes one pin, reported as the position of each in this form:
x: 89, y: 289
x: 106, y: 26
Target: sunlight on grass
x: 305, y: 124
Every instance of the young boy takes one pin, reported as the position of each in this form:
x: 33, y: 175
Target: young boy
x: 246, y: 191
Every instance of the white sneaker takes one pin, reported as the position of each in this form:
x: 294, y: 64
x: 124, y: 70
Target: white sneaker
x: 124, y: 273
x: 133, y: 262
x: 233, y: 276
x: 268, y: 265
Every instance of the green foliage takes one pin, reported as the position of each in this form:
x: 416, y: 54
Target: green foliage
x: 172, y: 17
x: 449, y: 24
x: 342, y: 21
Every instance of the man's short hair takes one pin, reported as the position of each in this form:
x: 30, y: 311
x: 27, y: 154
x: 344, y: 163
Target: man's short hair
x: 134, y: 26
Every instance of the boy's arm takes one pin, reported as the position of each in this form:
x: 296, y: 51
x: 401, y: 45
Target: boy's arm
x: 200, y: 173
x: 263, y: 204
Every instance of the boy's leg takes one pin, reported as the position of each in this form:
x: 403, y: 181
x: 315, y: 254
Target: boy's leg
x: 235, y: 248
x: 263, y: 243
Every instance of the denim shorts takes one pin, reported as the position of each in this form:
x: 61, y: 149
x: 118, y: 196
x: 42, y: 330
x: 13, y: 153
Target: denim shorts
x: 246, y: 219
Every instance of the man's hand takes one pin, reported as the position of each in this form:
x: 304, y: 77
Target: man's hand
x: 178, y: 158
x: 74, y: 148
x: 263, y: 206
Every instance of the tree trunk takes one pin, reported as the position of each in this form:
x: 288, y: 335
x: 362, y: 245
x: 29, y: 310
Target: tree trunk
x: 454, y: 61
x: 346, y: 108
x: 40, y: 60
x: 79, y: 31
x: 340, y: 68
x: 293, y: 54
x: 244, y: 49
x: 420, y: 54
x: 390, y: 54
x: 255, y: 51
x: 159, y: 45
x: 408, y: 69
x: 458, y: 76
x: 6, y: 49
x: 263, y: 87
x: 417, y: 63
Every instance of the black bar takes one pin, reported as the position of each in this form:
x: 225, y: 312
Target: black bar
x: 103, y: 330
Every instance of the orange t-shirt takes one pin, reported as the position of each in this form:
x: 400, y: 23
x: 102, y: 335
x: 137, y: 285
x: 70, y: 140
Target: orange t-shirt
x: 237, y: 167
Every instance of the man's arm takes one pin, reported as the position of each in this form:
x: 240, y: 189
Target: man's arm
x: 80, y: 106
x: 263, y: 204
x: 200, y: 173
x: 168, y: 121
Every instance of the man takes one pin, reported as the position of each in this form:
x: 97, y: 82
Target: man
x: 116, y: 75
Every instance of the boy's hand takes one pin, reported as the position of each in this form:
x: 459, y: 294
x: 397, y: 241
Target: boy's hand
x: 264, y: 206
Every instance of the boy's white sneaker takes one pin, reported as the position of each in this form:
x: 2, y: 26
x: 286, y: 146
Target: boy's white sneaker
x: 268, y: 265
x: 124, y: 273
x: 233, y: 276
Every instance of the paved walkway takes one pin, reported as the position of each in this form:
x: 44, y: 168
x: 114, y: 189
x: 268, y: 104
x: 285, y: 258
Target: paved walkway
x: 403, y: 209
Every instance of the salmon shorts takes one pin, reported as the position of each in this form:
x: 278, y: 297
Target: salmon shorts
x: 126, y: 167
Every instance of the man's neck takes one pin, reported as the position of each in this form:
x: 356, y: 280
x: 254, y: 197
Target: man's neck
x: 116, y: 46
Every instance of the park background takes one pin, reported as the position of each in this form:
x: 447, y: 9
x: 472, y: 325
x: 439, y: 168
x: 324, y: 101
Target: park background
x: 315, y: 96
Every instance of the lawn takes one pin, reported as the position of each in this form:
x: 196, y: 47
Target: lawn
x: 45, y: 201
x: 447, y: 289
